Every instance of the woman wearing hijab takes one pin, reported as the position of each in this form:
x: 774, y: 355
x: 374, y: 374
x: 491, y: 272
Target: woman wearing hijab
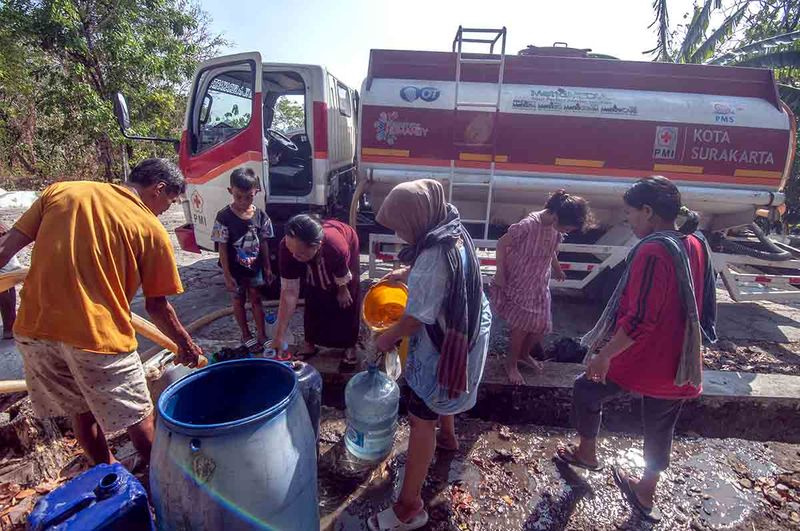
x: 448, y: 320
x: 324, y: 254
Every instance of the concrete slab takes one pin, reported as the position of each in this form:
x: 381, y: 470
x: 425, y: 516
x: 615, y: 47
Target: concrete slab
x: 734, y: 404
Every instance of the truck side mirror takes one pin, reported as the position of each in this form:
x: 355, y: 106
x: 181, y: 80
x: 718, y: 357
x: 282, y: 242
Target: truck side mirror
x: 124, y: 121
x: 121, y: 112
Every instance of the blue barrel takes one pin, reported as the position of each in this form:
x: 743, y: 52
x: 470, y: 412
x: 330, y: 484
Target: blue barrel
x: 234, y: 449
x: 103, y: 497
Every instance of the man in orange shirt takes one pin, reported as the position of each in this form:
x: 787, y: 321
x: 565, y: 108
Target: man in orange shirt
x: 97, y: 244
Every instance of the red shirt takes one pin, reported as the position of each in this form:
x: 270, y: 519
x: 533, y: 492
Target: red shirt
x: 331, y: 265
x: 652, y: 315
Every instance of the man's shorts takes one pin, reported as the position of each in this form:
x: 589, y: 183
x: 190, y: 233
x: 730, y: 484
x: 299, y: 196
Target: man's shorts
x: 64, y: 381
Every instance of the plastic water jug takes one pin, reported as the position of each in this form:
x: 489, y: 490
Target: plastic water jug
x: 103, y: 497
x: 270, y: 322
x: 310, y: 382
x: 372, y: 400
x: 234, y: 449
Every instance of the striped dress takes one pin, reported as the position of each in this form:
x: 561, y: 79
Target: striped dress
x: 524, y: 302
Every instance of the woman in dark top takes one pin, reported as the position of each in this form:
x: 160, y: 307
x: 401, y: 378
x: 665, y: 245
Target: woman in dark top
x: 648, y: 340
x: 323, y: 256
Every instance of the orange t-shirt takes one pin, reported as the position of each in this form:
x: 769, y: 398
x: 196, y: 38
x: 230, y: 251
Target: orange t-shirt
x: 96, y: 244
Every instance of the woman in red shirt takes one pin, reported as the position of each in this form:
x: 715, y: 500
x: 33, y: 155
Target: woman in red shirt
x: 648, y: 340
x: 323, y: 257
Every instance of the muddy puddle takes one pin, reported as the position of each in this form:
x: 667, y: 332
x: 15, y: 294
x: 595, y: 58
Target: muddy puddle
x: 505, y: 478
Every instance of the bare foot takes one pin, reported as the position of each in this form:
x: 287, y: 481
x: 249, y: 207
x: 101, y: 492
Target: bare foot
x: 308, y: 351
x: 447, y: 442
x: 533, y: 363
x: 512, y: 370
x: 405, y: 513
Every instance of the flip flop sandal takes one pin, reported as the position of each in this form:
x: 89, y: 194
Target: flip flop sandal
x: 445, y: 449
x: 567, y: 457
x: 348, y: 365
x: 652, y: 514
x: 387, y: 520
x: 252, y: 346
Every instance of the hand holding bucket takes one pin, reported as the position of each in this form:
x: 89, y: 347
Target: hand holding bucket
x: 383, y: 306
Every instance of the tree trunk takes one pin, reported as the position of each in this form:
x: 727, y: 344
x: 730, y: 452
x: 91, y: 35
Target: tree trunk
x: 105, y: 149
x: 35, y: 450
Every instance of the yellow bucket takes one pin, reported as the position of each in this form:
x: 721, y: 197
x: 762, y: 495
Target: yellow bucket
x: 383, y: 306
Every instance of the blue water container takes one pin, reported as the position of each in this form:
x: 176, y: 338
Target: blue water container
x: 105, y: 497
x: 372, y: 400
x: 235, y: 449
x: 271, y: 323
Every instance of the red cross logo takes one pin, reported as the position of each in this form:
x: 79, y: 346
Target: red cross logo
x: 197, y: 201
x: 666, y: 137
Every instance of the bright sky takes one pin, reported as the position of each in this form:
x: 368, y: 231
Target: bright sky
x: 340, y: 33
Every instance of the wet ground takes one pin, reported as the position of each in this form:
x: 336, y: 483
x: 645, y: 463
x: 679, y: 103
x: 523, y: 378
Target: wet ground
x: 504, y: 478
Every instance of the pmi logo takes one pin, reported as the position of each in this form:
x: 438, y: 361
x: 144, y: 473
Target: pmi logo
x: 427, y: 94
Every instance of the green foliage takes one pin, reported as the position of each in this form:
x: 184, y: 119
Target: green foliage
x: 695, y: 32
x: 289, y: 115
x: 707, y: 50
x: 661, y: 23
x: 759, y: 47
x: 62, y: 60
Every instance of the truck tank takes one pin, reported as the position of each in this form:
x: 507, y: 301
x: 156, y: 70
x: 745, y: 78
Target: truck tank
x: 515, y: 128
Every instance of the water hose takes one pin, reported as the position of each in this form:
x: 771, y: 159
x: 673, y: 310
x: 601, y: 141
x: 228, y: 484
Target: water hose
x: 774, y: 254
x: 140, y: 324
x: 359, y: 191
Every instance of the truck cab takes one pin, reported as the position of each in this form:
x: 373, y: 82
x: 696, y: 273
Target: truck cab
x: 294, y: 125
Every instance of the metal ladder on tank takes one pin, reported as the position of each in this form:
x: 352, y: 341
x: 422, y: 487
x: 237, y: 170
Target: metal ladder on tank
x: 490, y: 37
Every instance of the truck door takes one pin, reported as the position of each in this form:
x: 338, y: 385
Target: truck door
x: 223, y: 131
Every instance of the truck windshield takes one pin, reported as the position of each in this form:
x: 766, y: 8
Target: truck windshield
x: 226, y: 108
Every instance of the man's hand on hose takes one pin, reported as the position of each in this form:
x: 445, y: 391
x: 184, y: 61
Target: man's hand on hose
x: 189, y: 354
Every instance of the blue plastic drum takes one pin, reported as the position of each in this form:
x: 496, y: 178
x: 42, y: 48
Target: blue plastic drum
x: 235, y: 449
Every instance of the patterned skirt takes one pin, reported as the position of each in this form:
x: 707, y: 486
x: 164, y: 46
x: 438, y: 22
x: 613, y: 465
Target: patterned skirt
x: 537, y: 320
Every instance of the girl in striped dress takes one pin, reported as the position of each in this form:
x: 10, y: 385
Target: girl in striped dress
x: 527, y: 255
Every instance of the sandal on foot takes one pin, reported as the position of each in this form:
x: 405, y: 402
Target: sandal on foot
x: 566, y: 455
x: 348, y: 364
x: 651, y: 514
x: 446, y: 449
x: 387, y: 520
x: 252, y: 346
x: 305, y: 356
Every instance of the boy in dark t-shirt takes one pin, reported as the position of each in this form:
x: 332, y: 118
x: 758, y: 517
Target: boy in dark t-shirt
x: 241, y: 231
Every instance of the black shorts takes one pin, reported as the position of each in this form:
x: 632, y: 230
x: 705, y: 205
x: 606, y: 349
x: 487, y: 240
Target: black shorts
x: 418, y: 408
x: 244, y: 283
